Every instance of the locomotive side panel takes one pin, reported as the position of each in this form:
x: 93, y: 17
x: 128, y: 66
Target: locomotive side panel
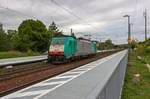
x: 94, y: 49
x: 84, y: 48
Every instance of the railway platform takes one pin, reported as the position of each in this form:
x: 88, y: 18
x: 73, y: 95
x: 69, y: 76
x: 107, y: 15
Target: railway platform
x: 101, y: 79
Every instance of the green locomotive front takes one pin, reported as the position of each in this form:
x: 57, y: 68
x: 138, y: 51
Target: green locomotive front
x: 61, y: 49
x: 67, y: 48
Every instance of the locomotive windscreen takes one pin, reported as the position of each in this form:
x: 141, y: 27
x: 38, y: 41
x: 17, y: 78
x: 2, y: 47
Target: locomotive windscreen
x: 56, y: 46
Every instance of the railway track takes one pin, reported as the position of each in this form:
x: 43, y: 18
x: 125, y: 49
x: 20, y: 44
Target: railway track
x: 23, y: 77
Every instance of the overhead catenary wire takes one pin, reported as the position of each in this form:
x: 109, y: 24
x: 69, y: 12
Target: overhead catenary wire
x: 18, y: 12
x: 72, y: 13
x: 108, y: 20
x: 64, y: 8
x: 56, y: 3
x: 81, y: 18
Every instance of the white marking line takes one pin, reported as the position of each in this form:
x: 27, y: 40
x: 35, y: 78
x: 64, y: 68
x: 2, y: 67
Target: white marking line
x: 91, y: 65
x: 87, y: 67
x: 98, y: 62
x: 37, y: 97
x: 41, y: 95
x: 51, y: 83
x: 26, y: 94
x: 83, y: 69
x: 40, y: 84
x: 59, y: 77
x: 72, y: 72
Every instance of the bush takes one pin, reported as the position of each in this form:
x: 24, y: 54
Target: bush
x: 29, y: 52
x: 134, y: 44
x: 12, y: 54
x: 147, y: 49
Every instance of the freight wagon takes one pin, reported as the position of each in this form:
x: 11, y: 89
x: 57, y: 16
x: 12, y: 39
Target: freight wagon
x: 64, y: 49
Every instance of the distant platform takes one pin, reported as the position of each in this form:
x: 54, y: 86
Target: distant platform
x: 20, y: 60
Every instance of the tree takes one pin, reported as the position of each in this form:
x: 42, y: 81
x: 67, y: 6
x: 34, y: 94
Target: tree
x: 109, y: 44
x: 106, y: 45
x: 11, y: 34
x: 4, y: 42
x: 32, y: 35
x: 101, y: 45
x: 54, y: 31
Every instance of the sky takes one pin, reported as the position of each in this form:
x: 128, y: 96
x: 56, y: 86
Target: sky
x: 100, y: 19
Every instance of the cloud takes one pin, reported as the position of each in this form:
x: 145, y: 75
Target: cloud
x: 97, y: 17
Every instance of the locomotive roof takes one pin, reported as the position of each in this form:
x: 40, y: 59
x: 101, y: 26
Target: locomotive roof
x: 68, y: 36
x: 84, y: 39
x: 64, y: 36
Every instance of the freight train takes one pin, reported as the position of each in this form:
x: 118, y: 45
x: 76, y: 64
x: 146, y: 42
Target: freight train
x: 69, y: 48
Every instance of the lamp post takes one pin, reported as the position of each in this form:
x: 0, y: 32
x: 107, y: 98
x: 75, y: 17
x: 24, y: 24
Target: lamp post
x: 129, y: 31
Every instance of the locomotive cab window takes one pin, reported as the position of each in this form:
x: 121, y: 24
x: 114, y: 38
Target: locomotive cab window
x: 57, y: 42
x: 56, y: 46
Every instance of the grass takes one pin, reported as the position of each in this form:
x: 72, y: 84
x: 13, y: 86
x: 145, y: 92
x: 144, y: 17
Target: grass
x: 141, y: 90
x: 12, y: 54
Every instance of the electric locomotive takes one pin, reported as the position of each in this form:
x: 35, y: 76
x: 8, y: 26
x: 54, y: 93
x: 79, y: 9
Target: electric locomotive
x: 67, y: 48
